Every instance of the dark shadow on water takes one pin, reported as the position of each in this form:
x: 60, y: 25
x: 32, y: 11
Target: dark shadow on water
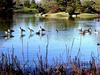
x: 71, y: 18
x: 6, y: 22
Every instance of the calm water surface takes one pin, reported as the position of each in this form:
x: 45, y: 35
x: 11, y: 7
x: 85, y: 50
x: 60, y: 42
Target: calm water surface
x: 62, y: 36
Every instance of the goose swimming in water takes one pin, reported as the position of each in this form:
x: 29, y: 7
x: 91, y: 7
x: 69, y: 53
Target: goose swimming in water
x: 38, y: 33
x: 98, y: 44
x: 7, y: 35
x: 31, y: 30
x: 57, y: 30
x: 22, y: 30
x: 96, y: 32
x: 80, y: 30
x: 82, y: 33
x: 42, y: 29
x: 89, y: 30
x: 10, y: 31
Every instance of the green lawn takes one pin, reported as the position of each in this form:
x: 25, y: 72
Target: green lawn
x: 26, y: 10
x: 87, y: 15
x: 63, y: 15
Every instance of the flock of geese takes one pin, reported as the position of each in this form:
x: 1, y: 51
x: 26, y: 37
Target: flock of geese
x: 88, y: 31
x: 41, y: 32
x: 9, y: 32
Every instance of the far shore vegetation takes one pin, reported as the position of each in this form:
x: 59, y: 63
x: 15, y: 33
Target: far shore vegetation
x: 52, y: 8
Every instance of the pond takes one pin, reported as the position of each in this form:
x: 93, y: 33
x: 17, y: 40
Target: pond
x: 61, y: 38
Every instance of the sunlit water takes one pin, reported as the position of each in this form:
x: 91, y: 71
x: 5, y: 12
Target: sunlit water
x: 62, y: 36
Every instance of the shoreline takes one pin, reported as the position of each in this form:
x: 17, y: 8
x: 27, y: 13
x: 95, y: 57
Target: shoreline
x: 63, y: 15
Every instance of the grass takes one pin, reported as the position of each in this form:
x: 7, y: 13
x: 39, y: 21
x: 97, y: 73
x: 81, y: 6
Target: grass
x: 78, y: 67
x: 87, y: 15
x: 63, y: 15
x: 10, y: 65
x: 26, y: 10
x: 59, y: 15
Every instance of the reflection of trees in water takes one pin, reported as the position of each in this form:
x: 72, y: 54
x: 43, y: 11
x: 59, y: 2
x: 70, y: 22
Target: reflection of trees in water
x: 5, y: 23
x: 23, y: 19
x: 27, y: 21
x: 60, y: 24
x: 70, y: 23
x: 56, y: 23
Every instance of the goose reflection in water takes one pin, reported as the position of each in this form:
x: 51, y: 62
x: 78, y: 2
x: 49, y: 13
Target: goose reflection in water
x: 31, y: 35
x: 40, y: 33
x: 22, y: 35
x: 7, y: 34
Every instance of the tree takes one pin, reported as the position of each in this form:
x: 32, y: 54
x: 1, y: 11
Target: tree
x: 6, y: 7
x: 50, y: 5
x: 89, y: 6
x: 62, y: 4
x: 71, y: 6
x: 27, y: 3
x: 33, y: 4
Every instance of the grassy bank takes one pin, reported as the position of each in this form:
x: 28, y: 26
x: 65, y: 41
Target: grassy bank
x: 63, y: 15
x: 87, y: 16
x: 59, y: 15
x: 26, y: 10
x: 97, y: 7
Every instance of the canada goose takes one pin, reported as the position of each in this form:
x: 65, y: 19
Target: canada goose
x: 38, y: 33
x: 98, y: 44
x: 96, y: 32
x: 31, y: 30
x: 80, y: 30
x: 10, y: 31
x: 89, y: 30
x: 57, y: 30
x: 42, y: 29
x: 22, y: 30
x: 7, y: 35
x: 6, y: 32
